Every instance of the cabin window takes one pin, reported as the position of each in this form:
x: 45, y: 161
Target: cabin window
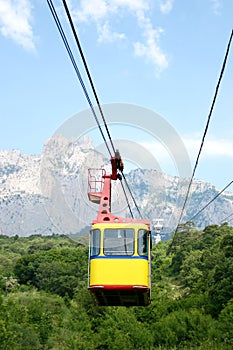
x: 143, y: 242
x: 118, y: 241
x: 95, y: 242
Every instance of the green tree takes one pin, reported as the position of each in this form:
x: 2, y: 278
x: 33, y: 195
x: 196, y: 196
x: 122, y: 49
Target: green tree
x: 226, y: 322
x: 55, y: 271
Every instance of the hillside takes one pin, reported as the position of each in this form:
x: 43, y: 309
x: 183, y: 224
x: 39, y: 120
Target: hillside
x: 45, y: 304
x: 47, y: 193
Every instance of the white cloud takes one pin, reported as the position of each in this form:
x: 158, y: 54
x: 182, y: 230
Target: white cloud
x: 91, y: 10
x: 99, y: 9
x: 216, y: 6
x: 131, y: 5
x: 15, y: 18
x: 102, y: 13
x: 212, y: 147
x: 150, y: 48
x: 106, y: 35
x: 213, y: 150
x: 166, y: 6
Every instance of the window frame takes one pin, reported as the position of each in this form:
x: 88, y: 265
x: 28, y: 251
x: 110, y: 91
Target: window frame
x: 142, y: 242
x: 130, y: 244
x: 95, y: 242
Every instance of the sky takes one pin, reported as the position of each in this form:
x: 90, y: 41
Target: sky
x: 162, y: 55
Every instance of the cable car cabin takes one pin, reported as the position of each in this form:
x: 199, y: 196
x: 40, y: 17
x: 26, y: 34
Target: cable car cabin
x: 119, y: 264
x: 120, y: 248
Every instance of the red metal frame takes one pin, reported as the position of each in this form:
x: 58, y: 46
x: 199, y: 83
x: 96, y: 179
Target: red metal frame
x: 119, y: 287
x: 99, y: 192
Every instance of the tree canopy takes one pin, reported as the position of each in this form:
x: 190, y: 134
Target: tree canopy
x: 45, y: 304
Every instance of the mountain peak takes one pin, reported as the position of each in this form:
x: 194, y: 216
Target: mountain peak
x: 47, y: 193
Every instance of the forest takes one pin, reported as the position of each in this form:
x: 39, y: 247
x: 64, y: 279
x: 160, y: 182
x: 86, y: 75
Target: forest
x: 45, y: 304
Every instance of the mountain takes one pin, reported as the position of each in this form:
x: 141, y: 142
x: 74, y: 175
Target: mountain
x: 47, y: 193
x: 162, y: 196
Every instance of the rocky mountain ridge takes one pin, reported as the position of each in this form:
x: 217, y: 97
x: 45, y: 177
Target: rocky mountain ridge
x: 45, y: 194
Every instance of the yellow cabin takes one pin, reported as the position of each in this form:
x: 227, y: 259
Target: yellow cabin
x: 120, y: 264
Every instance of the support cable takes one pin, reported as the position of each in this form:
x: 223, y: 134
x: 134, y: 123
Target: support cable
x: 63, y: 36
x: 65, y: 41
x: 230, y: 220
x: 87, y: 70
x: 131, y: 213
x: 123, y: 175
x: 224, y: 220
x: 206, y: 128
x: 203, y: 139
x: 201, y: 210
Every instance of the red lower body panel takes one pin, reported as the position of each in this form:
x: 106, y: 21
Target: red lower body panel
x: 120, y: 295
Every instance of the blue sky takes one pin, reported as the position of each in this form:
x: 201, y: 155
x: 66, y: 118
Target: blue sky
x: 164, y: 55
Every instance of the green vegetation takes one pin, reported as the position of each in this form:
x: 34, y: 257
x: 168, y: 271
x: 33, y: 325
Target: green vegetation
x: 44, y: 302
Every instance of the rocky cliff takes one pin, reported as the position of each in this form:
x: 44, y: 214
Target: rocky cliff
x: 45, y: 194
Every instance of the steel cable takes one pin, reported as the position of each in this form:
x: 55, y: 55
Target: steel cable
x: 206, y: 127
x: 61, y: 31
